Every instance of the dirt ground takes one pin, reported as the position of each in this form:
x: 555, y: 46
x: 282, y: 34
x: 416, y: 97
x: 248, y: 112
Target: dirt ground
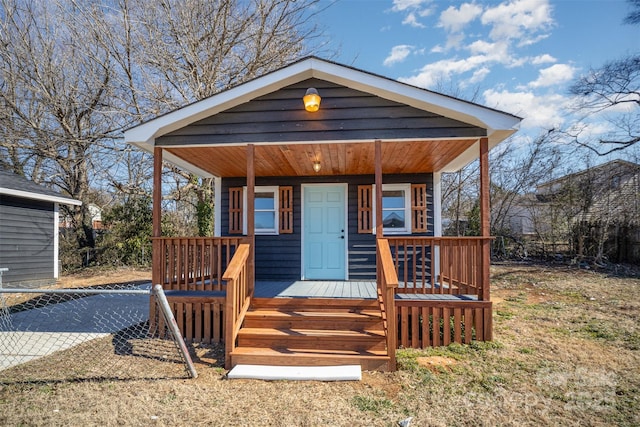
x: 93, y: 277
x: 566, y: 352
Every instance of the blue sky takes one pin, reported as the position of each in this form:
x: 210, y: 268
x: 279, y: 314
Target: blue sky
x: 519, y: 55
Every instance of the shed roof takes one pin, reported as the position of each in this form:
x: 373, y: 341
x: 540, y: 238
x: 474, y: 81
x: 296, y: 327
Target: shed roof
x: 15, y: 185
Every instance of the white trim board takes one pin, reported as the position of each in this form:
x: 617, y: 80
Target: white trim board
x: 296, y: 373
x: 42, y: 197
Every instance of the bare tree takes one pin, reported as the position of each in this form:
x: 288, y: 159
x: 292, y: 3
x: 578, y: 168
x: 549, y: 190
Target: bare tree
x: 612, y: 94
x: 515, y: 172
x: 633, y: 18
x: 188, y: 50
x: 55, y: 85
x: 75, y: 73
x: 459, y: 193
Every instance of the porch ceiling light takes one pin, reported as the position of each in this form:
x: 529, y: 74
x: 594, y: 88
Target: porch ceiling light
x: 316, y: 165
x: 311, y: 100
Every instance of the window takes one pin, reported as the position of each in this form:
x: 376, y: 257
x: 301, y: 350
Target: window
x: 266, y: 210
x: 404, y: 208
x: 396, y: 208
x: 273, y: 210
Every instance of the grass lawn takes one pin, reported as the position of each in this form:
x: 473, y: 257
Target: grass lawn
x: 566, y: 352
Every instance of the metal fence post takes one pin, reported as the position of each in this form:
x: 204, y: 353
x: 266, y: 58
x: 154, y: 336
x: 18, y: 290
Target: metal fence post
x: 173, y: 326
x: 2, y: 270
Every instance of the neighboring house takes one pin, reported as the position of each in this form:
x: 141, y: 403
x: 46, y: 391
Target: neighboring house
x: 518, y: 216
x: 29, y: 231
x: 601, y: 209
x: 592, y: 212
x: 95, y: 213
x: 336, y: 201
x: 611, y: 189
x: 96, y: 216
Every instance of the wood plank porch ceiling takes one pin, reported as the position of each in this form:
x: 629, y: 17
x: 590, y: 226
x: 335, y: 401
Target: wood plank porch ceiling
x: 351, y: 158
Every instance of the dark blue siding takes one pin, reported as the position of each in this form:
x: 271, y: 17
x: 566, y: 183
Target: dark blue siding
x: 26, y: 240
x: 279, y: 257
x: 346, y: 114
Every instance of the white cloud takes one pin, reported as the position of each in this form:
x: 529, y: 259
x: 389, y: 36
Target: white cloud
x: 479, y: 75
x: 436, y: 72
x: 590, y: 131
x: 511, y: 23
x: 412, y: 21
x: 454, y: 41
x: 543, y: 59
x: 498, y: 50
x: 402, y: 5
x: 398, y: 54
x: 554, y: 75
x: 537, y: 111
x: 521, y: 20
x: 413, y: 10
x: 497, y: 32
x: 454, y: 20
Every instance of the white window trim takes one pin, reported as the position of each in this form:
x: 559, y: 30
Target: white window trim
x: 276, y: 203
x: 407, y: 208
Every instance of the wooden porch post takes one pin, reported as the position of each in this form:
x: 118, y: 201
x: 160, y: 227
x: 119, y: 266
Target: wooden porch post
x: 386, y: 291
x: 484, y: 215
x: 377, y: 159
x: 485, y: 226
x: 378, y: 181
x: 157, y: 216
x: 251, y: 182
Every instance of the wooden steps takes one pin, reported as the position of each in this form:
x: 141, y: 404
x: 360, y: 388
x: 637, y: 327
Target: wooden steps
x: 312, y: 332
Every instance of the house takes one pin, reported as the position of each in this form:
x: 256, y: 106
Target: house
x: 29, y: 231
x: 95, y: 214
x: 599, y: 208
x: 611, y: 187
x: 591, y: 213
x: 329, y: 206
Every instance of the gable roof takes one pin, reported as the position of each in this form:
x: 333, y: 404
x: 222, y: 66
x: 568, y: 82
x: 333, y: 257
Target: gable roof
x: 499, y: 125
x: 606, y: 170
x: 15, y: 185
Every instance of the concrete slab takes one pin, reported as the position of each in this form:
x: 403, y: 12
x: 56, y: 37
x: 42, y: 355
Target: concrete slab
x: 35, y: 333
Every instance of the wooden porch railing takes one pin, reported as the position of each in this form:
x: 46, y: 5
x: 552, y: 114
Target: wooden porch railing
x: 237, y: 278
x: 458, y: 259
x: 424, y: 323
x: 387, y: 280
x: 192, y: 263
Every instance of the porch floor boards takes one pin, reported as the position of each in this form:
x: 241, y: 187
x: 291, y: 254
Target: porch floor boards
x: 349, y: 289
x: 316, y: 289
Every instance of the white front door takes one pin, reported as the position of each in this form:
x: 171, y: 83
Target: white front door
x: 324, y: 238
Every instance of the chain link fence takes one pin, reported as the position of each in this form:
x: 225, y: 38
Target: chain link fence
x: 89, y: 334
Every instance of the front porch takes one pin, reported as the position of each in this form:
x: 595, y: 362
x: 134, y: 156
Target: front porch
x: 215, y: 299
